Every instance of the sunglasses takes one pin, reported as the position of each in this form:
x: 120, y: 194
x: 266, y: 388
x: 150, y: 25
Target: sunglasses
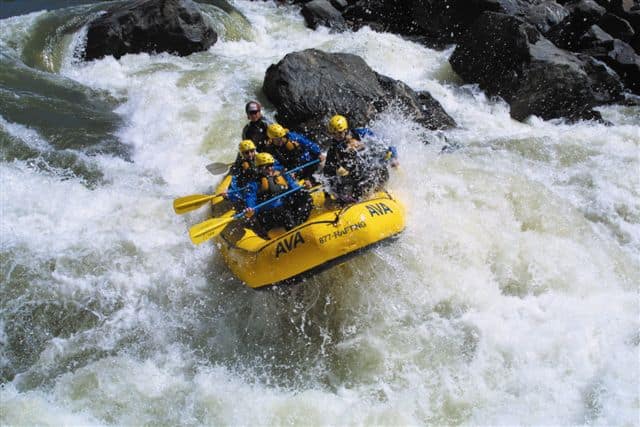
x: 251, y: 113
x: 248, y: 151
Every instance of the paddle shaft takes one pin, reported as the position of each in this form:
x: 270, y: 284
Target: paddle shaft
x: 266, y: 202
x: 210, y: 228
x: 189, y: 203
x: 312, y: 162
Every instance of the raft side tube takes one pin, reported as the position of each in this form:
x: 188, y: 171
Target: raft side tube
x: 324, y: 237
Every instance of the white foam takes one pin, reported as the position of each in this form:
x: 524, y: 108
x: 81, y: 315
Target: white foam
x: 511, y: 298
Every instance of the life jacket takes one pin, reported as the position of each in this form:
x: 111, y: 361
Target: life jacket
x: 292, y: 145
x: 288, y: 154
x: 244, y: 172
x: 272, y: 185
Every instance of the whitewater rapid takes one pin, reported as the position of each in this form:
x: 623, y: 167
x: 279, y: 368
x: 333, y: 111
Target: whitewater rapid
x: 510, y: 299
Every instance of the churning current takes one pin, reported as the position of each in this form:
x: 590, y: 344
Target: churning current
x: 510, y: 298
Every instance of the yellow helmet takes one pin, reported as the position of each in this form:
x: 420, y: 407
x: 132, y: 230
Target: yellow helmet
x: 275, y: 130
x: 338, y: 123
x: 263, y: 159
x: 246, y: 145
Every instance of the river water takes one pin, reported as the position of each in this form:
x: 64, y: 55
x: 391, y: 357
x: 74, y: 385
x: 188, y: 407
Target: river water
x: 510, y: 298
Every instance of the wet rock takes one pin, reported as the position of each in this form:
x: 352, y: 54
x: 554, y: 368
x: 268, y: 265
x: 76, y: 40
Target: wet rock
x: 175, y: 26
x: 435, y: 21
x: 322, y: 12
x: 582, y: 15
x: 308, y: 87
x: 606, y: 82
x: 617, y: 27
x: 442, y: 22
x: 545, y: 15
x: 421, y: 105
x: 340, y: 4
x: 510, y: 58
x: 594, y: 37
x: 618, y: 55
x: 565, y: 23
x: 622, y: 58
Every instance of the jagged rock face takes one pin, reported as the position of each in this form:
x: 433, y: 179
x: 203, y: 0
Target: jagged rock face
x: 546, y: 15
x: 583, y: 15
x: 308, y: 87
x: 175, y: 26
x: 510, y: 58
x: 622, y: 58
x: 617, y: 54
x: 436, y: 20
x: 304, y: 85
x: 617, y: 27
x: 322, y: 12
x: 445, y: 21
x: 566, y: 23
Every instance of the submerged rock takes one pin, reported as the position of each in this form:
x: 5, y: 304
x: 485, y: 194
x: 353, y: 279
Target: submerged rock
x: 175, y: 26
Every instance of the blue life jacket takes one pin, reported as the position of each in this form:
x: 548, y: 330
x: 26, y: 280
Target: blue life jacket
x: 255, y: 192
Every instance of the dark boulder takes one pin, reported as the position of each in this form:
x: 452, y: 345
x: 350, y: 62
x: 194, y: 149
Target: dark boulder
x: 340, y: 4
x: 421, y: 105
x: 594, y: 38
x: 605, y: 84
x: 622, y: 58
x: 175, y: 26
x: 308, y: 87
x: 442, y: 22
x: 322, y: 12
x: 545, y: 15
x: 582, y: 15
x: 618, y: 55
x: 565, y: 23
x: 618, y: 28
x: 435, y: 21
x: 508, y: 57
x: 633, y: 18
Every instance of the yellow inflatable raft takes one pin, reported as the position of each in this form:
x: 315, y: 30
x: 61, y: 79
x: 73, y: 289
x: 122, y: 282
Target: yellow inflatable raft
x: 326, y: 236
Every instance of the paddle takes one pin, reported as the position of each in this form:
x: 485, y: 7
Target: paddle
x: 186, y: 204
x: 210, y: 228
x: 218, y: 168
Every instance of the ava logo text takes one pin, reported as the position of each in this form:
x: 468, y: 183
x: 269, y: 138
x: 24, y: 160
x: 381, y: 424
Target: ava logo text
x: 288, y: 244
x: 378, y: 209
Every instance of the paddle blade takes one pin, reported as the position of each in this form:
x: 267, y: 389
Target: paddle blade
x: 217, y: 168
x: 186, y: 204
x: 208, y: 229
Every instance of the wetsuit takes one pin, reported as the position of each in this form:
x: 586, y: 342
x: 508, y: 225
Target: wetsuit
x: 257, y: 132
